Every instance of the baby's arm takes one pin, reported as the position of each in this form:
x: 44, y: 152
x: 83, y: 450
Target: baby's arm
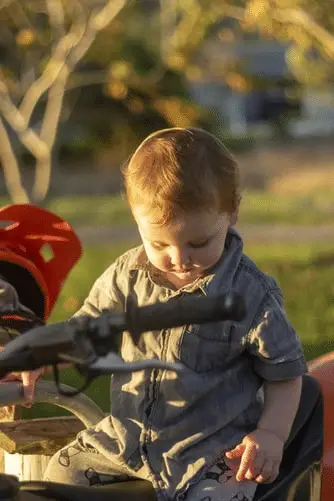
x: 281, y: 401
x: 261, y: 451
x: 277, y: 357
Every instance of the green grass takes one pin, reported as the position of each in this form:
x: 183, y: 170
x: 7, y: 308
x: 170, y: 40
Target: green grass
x: 103, y: 210
x: 303, y: 271
x: 266, y: 208
x: 94, y: 261
x: 257, y: 207
x: 87, y: 210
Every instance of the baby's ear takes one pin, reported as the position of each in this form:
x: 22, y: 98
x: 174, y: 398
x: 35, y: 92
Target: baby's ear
x: 233, y: 218
x: 235, y: 214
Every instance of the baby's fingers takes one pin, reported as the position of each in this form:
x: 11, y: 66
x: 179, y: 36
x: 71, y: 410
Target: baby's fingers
x: 236, y: 452
x: 257, y: 465
x: 13, y: 376
x: 246, y: 461
x: 28, y: 382
x: 269, y: 472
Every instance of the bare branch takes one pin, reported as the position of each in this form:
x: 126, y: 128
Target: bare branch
x: 52, y: 70
x: 300, y: 18
x: 57, y: 91
x: 42, y: 179
x: 102, y: 18
x: 187, y: 26
x: 27, y: 136
x: 289, y: 16
x: 189, y: 30
x: 97, y: 22
x: 48, y: 134
x: 6, y: 3
x: 19, y: 16
x: 11, y: 169
x: 79, y: 33
x: 56, y: 18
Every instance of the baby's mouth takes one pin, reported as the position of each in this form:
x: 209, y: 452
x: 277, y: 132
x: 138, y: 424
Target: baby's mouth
x: 182, y: 272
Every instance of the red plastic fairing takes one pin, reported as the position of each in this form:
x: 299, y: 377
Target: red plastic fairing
x: 322, y: 369
x: 27, y: 234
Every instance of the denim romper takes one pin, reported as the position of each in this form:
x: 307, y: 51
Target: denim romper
x: 170, y: 428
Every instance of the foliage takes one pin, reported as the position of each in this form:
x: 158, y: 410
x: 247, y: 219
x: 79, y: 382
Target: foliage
x: 114, y: 70
x: 304, y: 26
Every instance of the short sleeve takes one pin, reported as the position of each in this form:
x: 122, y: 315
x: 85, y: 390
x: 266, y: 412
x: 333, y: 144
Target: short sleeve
x: 104, y: 295
x: 273, y: 343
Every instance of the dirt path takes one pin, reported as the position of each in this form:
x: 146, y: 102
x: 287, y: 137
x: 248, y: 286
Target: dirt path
x: 255, y: 233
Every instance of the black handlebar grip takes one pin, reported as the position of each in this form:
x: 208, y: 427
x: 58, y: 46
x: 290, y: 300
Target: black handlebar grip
x: 186, y: 310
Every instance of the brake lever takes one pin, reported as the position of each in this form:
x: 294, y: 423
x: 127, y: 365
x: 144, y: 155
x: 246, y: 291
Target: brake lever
x: 49, y: 345
x: 110, y: 364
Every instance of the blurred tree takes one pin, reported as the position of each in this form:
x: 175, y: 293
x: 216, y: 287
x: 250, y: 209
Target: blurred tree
x: 307, y: 26
x: 139, y: 91
x: 122, y: 67
x: 87, y: 61
x: 42, y: 42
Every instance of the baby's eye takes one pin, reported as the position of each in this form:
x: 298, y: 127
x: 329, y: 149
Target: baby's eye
x: 198, y: 245
x: 157, y: 246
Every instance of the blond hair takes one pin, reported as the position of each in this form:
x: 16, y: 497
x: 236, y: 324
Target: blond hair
x: 182, y: 169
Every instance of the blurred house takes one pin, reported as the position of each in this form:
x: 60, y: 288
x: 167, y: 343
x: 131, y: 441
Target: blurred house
x: 274, y: 96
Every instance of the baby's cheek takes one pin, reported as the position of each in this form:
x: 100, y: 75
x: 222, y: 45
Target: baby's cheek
x: 209, y: 259
x: 164, y: 262
x: 159, y: 260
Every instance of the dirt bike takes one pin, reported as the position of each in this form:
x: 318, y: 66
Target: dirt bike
x: 307, y: 468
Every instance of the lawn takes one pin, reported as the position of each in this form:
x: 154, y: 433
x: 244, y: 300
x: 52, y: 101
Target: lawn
x: 314, y: 207
x: 302, y: 271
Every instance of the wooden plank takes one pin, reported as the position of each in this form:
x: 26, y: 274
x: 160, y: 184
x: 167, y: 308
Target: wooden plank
x: 43, y: 436
x: 27, y: 467
x: 10, y: 415
x: 5, y: 416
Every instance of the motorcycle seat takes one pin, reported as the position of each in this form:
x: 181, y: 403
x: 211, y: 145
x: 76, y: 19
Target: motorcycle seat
x: 133, y: 490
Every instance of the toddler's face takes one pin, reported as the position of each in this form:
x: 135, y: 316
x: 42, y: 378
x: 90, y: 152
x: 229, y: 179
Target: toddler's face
x: 187, y: 246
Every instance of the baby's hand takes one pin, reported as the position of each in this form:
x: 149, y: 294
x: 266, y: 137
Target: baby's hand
x: 261, y: 454
x: 28, y: 380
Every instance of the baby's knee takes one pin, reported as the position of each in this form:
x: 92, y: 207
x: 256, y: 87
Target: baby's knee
x: 64, y: 466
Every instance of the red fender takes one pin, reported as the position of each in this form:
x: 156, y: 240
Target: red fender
x: 25, y: 231
x: 322, y: 369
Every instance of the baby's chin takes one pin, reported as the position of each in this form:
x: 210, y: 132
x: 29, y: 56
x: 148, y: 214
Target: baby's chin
x: 185, y: 278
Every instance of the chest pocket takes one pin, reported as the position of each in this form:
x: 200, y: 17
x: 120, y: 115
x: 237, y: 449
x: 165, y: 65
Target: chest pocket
x: 208, y: 347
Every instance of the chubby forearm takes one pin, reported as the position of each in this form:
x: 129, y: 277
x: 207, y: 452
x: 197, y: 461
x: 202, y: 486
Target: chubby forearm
x: 281, y: 401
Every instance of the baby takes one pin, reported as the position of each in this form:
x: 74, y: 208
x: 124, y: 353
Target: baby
x: 218, y: 429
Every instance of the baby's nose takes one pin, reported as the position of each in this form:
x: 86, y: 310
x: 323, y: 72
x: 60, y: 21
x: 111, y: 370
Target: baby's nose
x: 179, y: 257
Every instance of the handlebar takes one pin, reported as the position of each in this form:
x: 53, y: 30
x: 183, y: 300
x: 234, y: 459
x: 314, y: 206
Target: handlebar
x: 186, y: 310
x: 47, y: 392
x: 91, y: 343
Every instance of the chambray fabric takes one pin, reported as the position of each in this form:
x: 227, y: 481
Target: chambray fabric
x: 171, y: 429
